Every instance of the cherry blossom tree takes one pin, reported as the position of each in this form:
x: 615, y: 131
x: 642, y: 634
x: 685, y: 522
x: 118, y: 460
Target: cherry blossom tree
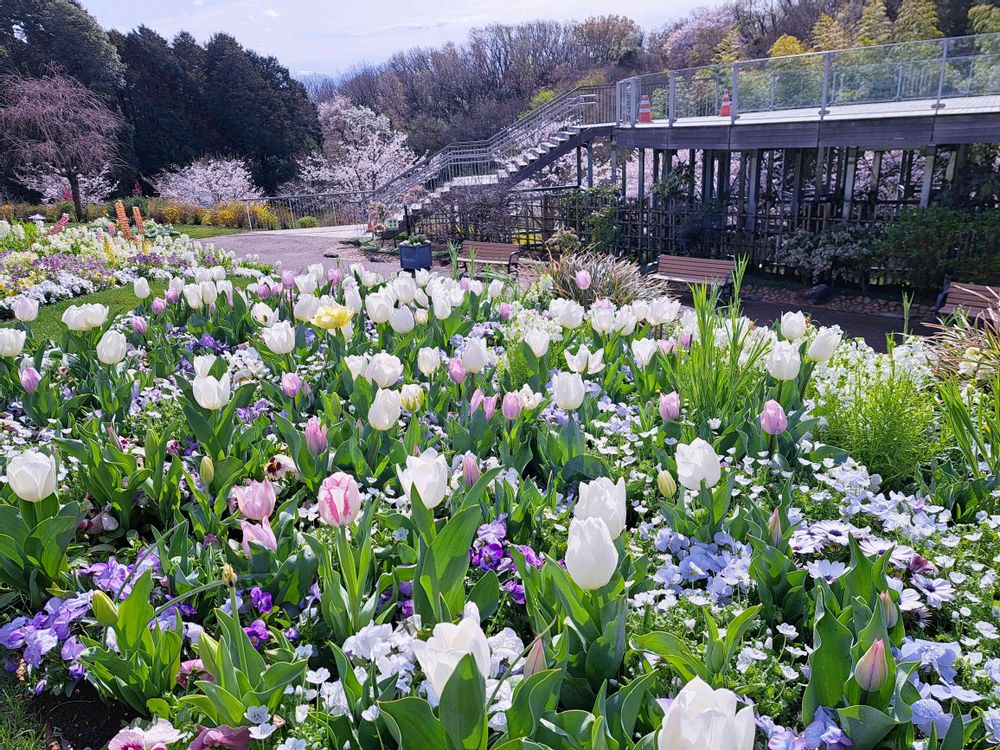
x: 55, y: 125
x: 207, y: 181
x: 55, y: 188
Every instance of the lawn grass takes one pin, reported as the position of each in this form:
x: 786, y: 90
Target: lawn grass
x: 202, y: 232
x: 19, y: 730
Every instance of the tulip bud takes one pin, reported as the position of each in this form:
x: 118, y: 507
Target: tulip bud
x: 105, y: 610
x: 456, y: 370
x: 207, y: 470
x: 665, y: 483
x: 158, y: 306
x: 316, y: 437
x: 30, y: 378
x: 228, y: 575
x: 889, y: 609
x: 774, y: 528
x: 583, y: 279
x: 291, y: 384
x: 411, y: 396
x: 872, y: 669
x: 470, y: 469
x: 535, y: 661
x: 773, y: 419
x: 139, y: 325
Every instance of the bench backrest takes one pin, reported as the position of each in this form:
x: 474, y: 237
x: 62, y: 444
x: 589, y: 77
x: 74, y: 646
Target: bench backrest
x: 490, y: 250
x: 706, y: 268
x: 972, y: 296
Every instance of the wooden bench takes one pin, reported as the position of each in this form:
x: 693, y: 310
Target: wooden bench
x: 974, y: 300
x: 490, y: 254
x: 679, y: 269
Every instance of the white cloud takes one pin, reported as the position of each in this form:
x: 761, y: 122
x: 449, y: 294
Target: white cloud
x: 271, y: 13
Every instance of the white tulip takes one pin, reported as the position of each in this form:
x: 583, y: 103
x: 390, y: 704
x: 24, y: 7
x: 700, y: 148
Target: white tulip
x: 447, y: 646
x: 700, y: 718
x: 566, y: 312
x: 112, y: 347
x: 442, y: 306
x: 202, y: 274
x: 474, y: 354
x: 567, y: 388
x: 32, y: 475
x: 495, y: 289
x: 203, y: 364
x: 825, y: 344
x: 176, y: 282
x: 305, y: 307
x: 422, y: 277
x: 793, y: 325
x: 141, y: 288
x: 192, y: 294
x: 663, y: 310
x: 625, y: 321
x: 697, y: 462
x: 263, y: 314
x: 585, y: 361
x: 11, y: 342
x: 604, y: 499
x: 428, y: 474
x: 25, y: 308
x: 352, y: 298
x: 602, y: 319
x: 401, y: 320
x: 384, y: 369
x: 211, y: 393
x: 538, y: 341
x: 783, y: 361
x: 528, y: 398
x: 306, y: 284
x: 591, y: 557
x: 385, y: 409
x: 643, y: 351
x: 421, y: 317
x: 476, y: 287
x: 209, y: 292
x: 217, y: 273
x: 640, y: 309
x: 428, y: 360
x: 280, y: 337
x: 84, y: 317
x: 406, y: 288
x: 378, y: 308
x: 225, y: 289
x: 357, y: 364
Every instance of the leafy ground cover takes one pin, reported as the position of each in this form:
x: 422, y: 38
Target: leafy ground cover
x: 334, y: 509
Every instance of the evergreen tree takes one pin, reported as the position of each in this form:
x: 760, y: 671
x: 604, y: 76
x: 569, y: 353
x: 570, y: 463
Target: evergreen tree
x: 917, y: 20
x: 984, y: 19
x: 730, y: 49
x: 786, y: 44
x: 828, y: 33
x: 38, y: 37
x: 875, y: 27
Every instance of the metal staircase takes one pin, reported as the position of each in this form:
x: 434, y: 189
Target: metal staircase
x: 511, y: 155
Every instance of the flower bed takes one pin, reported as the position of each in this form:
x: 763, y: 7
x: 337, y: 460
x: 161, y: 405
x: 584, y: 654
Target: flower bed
x: 346, y: 511
x: 63, y: 262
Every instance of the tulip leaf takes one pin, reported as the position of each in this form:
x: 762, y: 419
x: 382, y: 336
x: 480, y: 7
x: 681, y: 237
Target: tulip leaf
x: 865, y: 725
x: 463, y: 706
x: 674, y: 650
x: 412, y: 724
x: 829, y: 663
x: 532, y: 697
x: 486, y: 595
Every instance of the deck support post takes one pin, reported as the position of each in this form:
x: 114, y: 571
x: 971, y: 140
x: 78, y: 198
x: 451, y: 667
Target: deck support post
x: 753, y: 187
x: 590, y: 164
x: 849, y: 172
x: 614, y: 162
x: 642, y: 175
x: 579, y: 166
x: 796, y: 185
x: 930, y: 155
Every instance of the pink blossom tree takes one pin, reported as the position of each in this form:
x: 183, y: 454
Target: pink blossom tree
x: 207, y: 181
x: 55, y: 125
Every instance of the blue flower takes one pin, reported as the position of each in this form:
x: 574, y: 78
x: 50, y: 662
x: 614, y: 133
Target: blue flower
x: 928, y: 713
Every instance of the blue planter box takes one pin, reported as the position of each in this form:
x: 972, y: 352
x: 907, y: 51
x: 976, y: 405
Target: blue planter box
x: 414, y: 257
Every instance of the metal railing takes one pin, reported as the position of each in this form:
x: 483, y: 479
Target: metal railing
x: 927, y: 71
x: 493, y: 160
x: 300, y: 211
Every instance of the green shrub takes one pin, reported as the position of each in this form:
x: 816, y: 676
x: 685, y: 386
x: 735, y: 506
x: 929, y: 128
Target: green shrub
x: 307, y: 222
x: 883, y: 422
x: 845, y: 252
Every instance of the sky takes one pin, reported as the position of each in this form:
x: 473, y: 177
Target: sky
x: 313, y: 36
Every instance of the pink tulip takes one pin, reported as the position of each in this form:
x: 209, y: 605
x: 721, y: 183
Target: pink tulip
x: 30, y: 378
x: 159, y: 305
x: 685, y: 340
x: 773, y: 419
x: 256, y: 500
x: 470, y: 469
x: 670, y: 406
x: 288, y: 280
x: 490, y: 406
x: 316, y: 442
x: 872, y: 669
x: 583, y: 279
x: 604, y: 304
x: 339, y: 499
x: 667, y: 345
x: 476, y: 401
x: 464, y: 283
x: 334, y: 276
x: 456, y: 370
x: 139, y: 325
x: 506, y: 310
x: 228, y: 738
x: 260, y: 533
x: 511, y: 406
x: 263, y: 290
x: 291, y: 384
x: 173, y: 296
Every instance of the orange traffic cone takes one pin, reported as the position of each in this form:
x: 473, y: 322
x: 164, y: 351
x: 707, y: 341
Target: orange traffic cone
x: 725, y: 110
x: 645, y: 110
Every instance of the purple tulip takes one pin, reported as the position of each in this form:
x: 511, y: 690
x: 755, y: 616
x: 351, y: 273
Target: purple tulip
x: 470, y: 469
x: 263, y: 290
x: 872, y: 669
x: 464, y: 283
x: 476, y: 401
x: 456, y: 370
x: 506, y: 310
x: 316, y: 441
x: 334, y: 276
x: 159, y: 305
x: 773, y: 419
x: 139, y: 325
x: 583, y: 279
x: 29, y: 379
x: 490, y: 406
x: 173, y: 296
x: 685, y: 340
x: 511, y: 406
x: 288, y: 280
x: 670, y: 406
x: 291, y: 384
